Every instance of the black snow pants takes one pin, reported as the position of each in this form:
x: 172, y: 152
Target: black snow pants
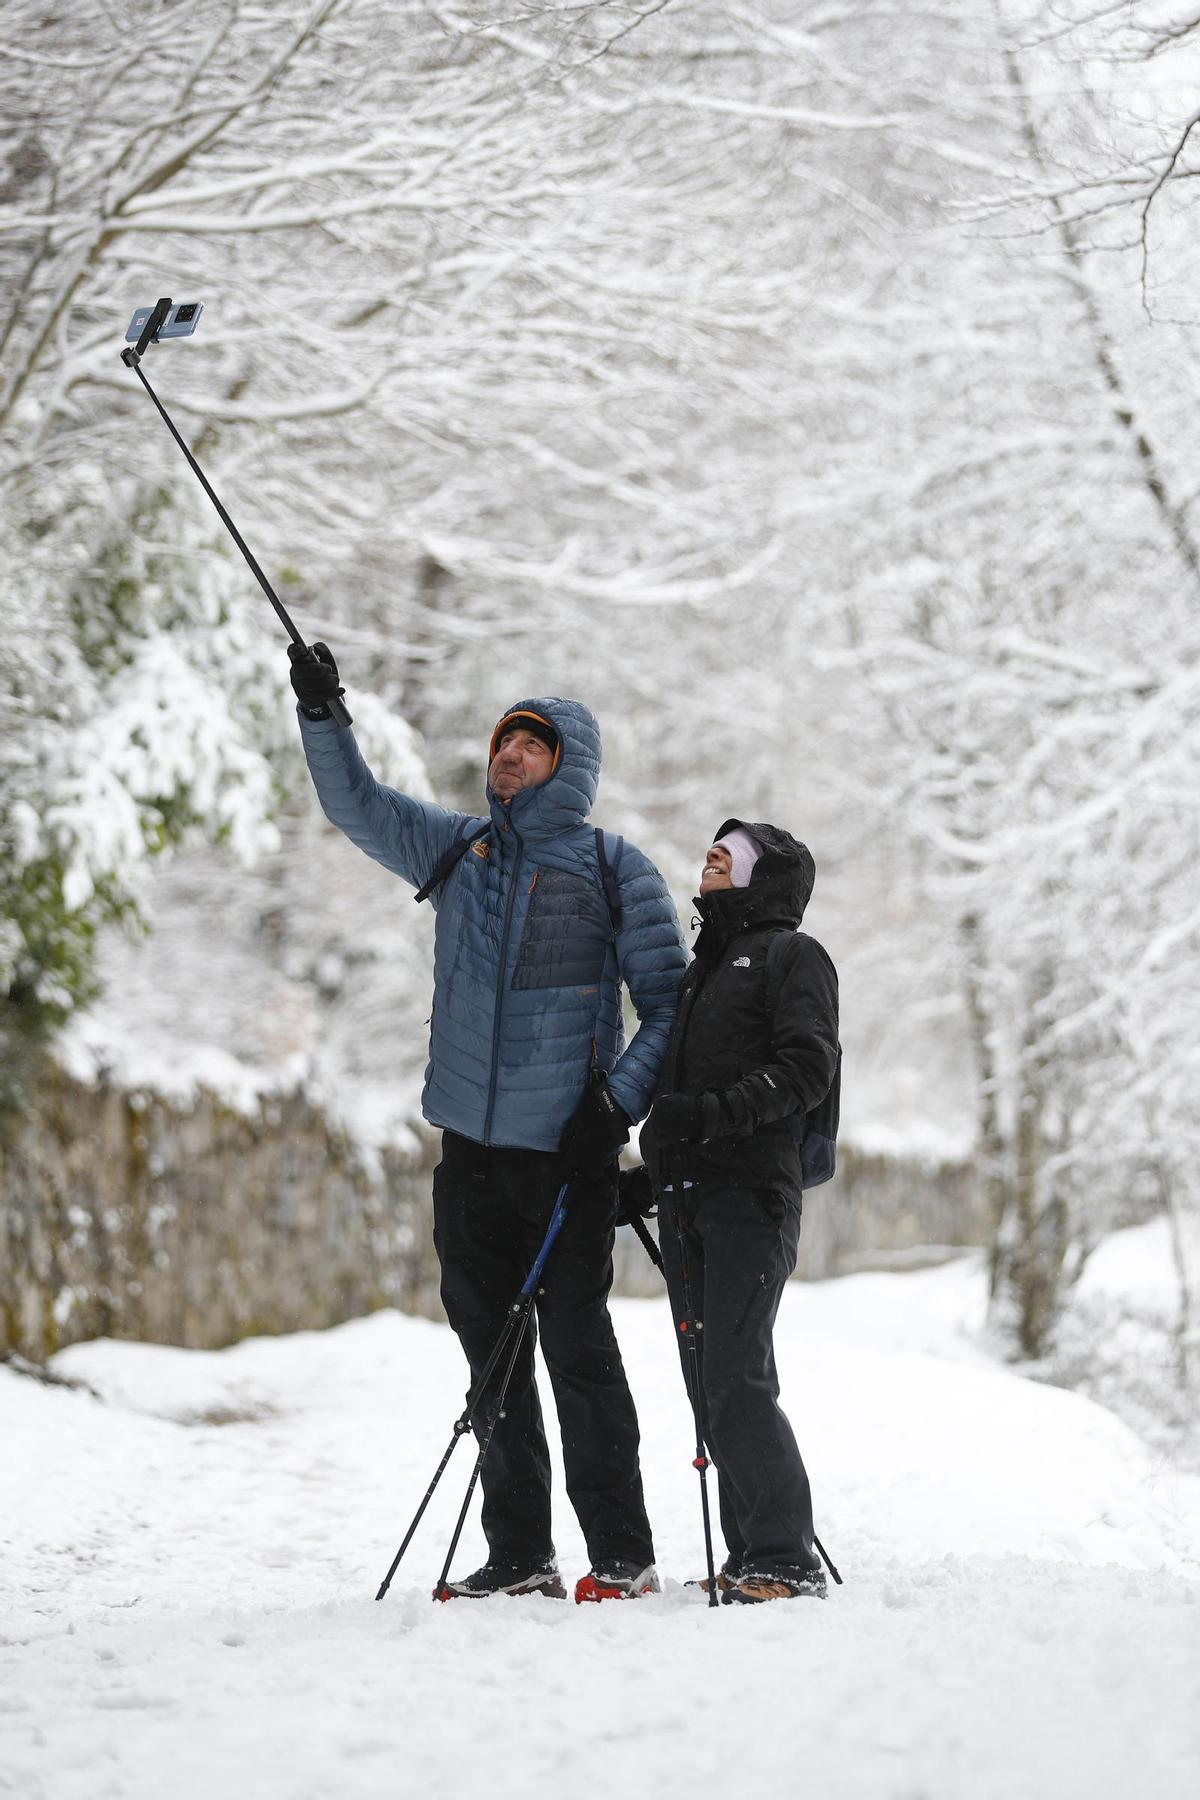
x: 740, y: 1248
x: 491, y: 1208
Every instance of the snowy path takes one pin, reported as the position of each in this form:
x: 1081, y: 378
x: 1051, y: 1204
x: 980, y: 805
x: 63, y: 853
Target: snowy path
x: 188, y: 1606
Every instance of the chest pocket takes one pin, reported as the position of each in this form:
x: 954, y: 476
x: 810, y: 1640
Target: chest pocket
x: 567, y: 933
x: 729, y: 1022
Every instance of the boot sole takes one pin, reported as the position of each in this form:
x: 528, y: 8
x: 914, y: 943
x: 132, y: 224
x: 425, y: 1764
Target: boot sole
x: 737, y: 1596
x: 552, y: 1589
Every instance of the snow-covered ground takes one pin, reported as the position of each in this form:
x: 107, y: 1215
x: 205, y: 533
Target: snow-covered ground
x: 190, y: 1563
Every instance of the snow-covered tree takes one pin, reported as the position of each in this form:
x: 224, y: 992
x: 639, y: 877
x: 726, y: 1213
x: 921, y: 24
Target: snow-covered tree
x: 1027, y: 637
x: 459, y: 366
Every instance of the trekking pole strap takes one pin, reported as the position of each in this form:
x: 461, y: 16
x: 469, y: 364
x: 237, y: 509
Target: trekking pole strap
x: 642, y: 1233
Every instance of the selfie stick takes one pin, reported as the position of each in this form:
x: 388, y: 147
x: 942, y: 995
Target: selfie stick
x: 132, y: 358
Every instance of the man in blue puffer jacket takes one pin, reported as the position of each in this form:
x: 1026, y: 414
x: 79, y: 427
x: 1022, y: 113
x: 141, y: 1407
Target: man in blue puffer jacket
x: 532, y: 1084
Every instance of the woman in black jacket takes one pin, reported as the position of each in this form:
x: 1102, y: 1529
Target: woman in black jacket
x: 755, y: 1043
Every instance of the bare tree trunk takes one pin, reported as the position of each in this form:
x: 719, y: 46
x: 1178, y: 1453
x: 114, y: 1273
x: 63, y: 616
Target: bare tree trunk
x: 1025, y: 1274
x: 994, y: 1162
x: 1039, y: 1254
x: 434, y: 585
x: 1149, y: 465
x: 1177, y: 1229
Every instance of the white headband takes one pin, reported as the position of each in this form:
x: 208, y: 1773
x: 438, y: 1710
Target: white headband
x: 744, y: 851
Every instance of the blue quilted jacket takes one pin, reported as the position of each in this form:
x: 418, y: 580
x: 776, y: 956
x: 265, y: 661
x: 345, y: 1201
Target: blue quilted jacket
x: 527, y: 974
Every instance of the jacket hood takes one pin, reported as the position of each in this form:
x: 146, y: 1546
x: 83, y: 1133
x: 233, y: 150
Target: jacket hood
x: 780, y: 886
x: 566, y: 797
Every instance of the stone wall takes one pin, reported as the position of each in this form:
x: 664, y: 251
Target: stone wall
x: 877, y: 1213
x: 125, y: 1215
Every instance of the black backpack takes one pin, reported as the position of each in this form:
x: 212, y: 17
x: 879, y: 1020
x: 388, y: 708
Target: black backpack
x: 815, y: 1131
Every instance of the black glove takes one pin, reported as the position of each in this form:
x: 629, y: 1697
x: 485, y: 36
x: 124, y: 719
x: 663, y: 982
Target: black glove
x: 315, y: 679
x: 595, y: 1131
x: 636, y: 1196
x: 686, y: 1118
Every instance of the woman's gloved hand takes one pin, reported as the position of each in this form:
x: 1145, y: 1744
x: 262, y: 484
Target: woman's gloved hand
x: 687, y: 1118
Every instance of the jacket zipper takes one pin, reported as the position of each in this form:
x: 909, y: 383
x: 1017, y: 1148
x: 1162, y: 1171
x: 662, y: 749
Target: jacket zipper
x: 675, y: 1064
x: 500, y: 974
x: 675, y: 1047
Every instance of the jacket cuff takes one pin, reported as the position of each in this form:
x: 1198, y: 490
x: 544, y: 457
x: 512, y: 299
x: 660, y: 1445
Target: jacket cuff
x: 311, y: 719
x: 713, y: 1120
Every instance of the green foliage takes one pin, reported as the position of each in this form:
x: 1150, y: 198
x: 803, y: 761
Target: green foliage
x: 121, y: 743
x: 55, y: 968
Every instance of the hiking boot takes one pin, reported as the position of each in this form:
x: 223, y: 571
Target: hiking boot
x: 617, y: 1581
x: 506, y: 1578
x: 752, y: 1589
x: 727, y: 1577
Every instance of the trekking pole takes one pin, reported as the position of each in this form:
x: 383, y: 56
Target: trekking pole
x: 824, y: 1555
x: 655, y: 1255
x: 461, y: 1426
x: 516, y: 1321
x: 441, y: 1591
x: 180, y: 321
x: 690, y: 1326
x: 525, y: 1301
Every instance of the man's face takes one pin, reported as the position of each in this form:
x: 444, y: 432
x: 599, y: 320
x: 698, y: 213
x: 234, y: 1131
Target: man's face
x: 718, y: 870
x: 521, y: 761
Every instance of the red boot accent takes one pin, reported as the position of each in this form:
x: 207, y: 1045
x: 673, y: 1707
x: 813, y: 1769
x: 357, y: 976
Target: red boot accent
x: 588, y: 1588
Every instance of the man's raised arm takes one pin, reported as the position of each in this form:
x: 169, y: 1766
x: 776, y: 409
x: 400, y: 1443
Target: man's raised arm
x: 407, y: 836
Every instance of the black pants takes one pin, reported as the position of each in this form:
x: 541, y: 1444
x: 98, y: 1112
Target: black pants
x: 740, y: 1248
x: 490, y: 1212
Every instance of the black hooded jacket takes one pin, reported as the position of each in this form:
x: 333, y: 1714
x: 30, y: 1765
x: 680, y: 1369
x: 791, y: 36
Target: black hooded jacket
x: 764, y: 1054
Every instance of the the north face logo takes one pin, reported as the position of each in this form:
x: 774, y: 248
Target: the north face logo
x: 740, y: 962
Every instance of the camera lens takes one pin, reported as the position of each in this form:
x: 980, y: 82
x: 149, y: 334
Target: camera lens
x: 184, y: 314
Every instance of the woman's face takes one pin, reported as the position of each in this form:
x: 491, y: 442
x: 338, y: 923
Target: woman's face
x: 717, y: 866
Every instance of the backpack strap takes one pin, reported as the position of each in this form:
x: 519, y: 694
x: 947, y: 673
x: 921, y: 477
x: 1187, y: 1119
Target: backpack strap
x: 775, y: 951
x: 608, y: 875
x: 608, y: 872
x: 447, y: 864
